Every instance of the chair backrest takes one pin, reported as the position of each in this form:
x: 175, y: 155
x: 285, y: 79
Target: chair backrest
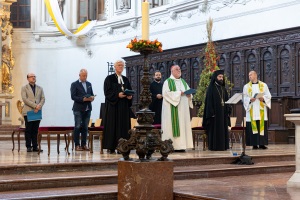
x: 98, y: 123
x: 133, y: 122
x: 232, y: 121
x: 194, y: 122
x: 90, y: 123
x: 200, y: 121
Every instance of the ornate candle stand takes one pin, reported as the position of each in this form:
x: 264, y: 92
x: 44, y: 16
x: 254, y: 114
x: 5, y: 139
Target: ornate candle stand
x: 143, y: 139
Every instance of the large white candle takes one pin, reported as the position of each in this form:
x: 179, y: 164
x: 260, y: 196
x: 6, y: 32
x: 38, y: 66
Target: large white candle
x: 145, y: 20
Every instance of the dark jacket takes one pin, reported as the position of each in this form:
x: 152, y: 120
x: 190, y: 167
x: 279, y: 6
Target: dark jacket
x: 77, y: 94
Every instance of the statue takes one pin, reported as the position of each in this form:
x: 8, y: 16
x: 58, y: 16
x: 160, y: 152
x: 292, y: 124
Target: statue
x: 8, y: 63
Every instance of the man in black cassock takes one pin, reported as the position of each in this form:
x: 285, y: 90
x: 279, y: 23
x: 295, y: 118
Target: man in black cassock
x: 157, y: 98
x: 116, y: 121
x: 216, y: 113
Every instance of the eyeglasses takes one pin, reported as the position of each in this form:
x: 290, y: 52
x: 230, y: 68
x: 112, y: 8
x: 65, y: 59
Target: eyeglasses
x: 31, y: 76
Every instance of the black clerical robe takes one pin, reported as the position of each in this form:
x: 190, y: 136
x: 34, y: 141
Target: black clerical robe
x: 116, y: 121
x: 216, y: 117
x: 156, y: 104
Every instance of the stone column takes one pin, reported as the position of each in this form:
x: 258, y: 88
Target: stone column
x: 294, y: 181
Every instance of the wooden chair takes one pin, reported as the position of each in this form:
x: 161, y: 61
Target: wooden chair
x: 237, y: 131
x: 96, y: 130
x: 133, y: 123
x: 198, y: 132
x: 232, y: 134
x: 21, y: 128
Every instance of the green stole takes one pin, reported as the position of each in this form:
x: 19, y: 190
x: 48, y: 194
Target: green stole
x: 174, y: 109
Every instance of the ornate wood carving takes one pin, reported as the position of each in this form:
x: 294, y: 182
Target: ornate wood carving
x: 275, y: 56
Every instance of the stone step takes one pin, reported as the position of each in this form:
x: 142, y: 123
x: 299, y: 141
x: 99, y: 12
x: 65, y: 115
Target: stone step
x: 44, y: 180
x: 113, y: 164
x: 101, y: 192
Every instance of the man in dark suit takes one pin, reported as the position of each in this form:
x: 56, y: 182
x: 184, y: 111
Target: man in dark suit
x: 34, y: 99
x: 82, y: 95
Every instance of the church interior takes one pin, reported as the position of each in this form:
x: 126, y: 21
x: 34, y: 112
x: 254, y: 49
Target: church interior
x: 55, y: 39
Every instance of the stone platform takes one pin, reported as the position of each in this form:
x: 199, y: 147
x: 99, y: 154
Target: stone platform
x: 197, y: 174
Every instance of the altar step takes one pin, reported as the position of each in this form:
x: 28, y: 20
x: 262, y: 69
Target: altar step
x: 93, y: 180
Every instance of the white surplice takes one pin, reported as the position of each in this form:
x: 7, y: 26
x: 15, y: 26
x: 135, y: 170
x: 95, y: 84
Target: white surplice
x: 183, y: 103
x: 256, y: 103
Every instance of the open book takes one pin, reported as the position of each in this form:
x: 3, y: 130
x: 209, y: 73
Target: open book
x: 258, y: 95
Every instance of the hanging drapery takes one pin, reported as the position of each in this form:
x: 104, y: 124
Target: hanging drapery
x: 54, y: 11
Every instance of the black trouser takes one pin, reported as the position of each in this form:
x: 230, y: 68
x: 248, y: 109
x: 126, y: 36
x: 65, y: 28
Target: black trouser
x: 31, y: 132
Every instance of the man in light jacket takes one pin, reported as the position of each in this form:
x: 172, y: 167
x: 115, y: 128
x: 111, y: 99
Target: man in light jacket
x: 34, y: 99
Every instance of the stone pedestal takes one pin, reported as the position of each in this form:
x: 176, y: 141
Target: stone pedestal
x: 145, y: 180
x: 295, y: 179
x: 6, y: 111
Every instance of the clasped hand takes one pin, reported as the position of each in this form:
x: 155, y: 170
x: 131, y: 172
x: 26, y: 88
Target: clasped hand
x: 253, y: 99
x: 37, y: 108
x: 88, y: 99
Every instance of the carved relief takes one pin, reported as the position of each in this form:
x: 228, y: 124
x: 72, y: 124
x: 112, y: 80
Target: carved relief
x: 237, y: 75
x: 284, y: 66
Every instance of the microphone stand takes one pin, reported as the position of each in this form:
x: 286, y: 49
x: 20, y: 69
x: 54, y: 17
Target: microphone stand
x: 243, y: 159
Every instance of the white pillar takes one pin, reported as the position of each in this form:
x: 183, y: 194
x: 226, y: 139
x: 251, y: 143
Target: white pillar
x: 294, y: 181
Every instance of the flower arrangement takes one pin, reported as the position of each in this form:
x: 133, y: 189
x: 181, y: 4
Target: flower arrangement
x: 144, y: 45
x: 210, y: 59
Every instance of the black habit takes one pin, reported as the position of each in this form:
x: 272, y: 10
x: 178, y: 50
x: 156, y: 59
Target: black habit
x: 216, y: 116
x: 156, y: 104
x: 116, y: 120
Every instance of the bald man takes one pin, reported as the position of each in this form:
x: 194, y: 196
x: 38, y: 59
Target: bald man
x: 175, y: 119
x: 34, y: 99
x: 257, y: 99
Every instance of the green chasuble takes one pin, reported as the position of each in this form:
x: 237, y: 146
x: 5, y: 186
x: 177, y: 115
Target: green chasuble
x: 174, y: 109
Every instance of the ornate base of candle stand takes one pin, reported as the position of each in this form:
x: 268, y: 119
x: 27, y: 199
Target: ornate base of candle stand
x: 143, y: 139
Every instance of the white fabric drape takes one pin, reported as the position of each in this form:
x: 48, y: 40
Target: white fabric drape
x: 54, y: 11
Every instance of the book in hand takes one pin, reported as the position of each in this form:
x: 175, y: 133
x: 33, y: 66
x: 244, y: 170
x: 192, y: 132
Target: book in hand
x: 190, y: 91
x: 32, y: 116
x: 89, y: 95
x: 129, y: 92
x: 258, y: 95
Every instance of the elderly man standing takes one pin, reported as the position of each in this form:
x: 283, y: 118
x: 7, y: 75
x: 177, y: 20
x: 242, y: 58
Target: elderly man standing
x: 176, y: 123
x: 117, y: 108
x: 82, y: 95
x: 257, y: 99
x: 34, y: 99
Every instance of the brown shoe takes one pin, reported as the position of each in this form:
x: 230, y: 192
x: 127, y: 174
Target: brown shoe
x: 85, y: 148
x: 78, y: 148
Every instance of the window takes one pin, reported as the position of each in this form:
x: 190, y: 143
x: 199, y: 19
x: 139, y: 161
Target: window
x: 20, y: 14
x: 90, y: 10
x: 157, y: 3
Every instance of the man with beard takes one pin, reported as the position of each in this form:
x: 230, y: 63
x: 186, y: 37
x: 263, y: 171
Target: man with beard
x: 216, y: 113
x: 157, y: 98
x: 256, y: 111
x: 176, y: 123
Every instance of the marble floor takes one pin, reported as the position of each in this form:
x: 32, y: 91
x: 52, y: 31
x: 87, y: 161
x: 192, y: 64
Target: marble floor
x: 247, y: 187
x: 9, y: 157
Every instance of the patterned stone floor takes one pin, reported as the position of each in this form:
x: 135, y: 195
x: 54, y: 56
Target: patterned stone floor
x: 246, y: 187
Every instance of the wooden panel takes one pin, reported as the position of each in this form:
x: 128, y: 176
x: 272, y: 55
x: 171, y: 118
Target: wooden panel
x: 275, y: 56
